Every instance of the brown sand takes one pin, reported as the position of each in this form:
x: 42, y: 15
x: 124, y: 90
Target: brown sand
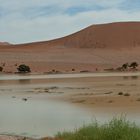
x: 98, y: 46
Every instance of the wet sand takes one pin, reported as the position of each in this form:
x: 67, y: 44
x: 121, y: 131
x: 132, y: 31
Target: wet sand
x: 117, y: 90
x: 105, y: 95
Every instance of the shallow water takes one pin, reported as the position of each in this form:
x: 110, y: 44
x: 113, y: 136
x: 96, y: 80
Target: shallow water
x: 38, y: 118
x: 41, y: 115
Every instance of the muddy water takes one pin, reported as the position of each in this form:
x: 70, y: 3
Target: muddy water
x: 38, y: 118
x: 26, y: 109
x: 29, y: 107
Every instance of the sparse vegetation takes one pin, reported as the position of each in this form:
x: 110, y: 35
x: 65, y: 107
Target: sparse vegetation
x: 53, y: 70
x: 1, y: 69
x: 23, y: 68
x: 125, y: 66
x: 120, y: 93
x: 133, y: 65
x: 116, y: 129
x: 73, y: 69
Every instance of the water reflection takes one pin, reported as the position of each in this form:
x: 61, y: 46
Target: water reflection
x: 130, y: 77
x: 24, y: 81
x: 134, y: 77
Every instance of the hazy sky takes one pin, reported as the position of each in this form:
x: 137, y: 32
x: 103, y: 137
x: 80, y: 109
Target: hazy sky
x: 35, y: 20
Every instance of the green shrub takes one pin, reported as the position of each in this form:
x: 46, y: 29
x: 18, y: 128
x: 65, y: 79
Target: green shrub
x: 116, y: 129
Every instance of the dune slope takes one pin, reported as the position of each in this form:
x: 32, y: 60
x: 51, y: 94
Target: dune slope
x: 98, y: 46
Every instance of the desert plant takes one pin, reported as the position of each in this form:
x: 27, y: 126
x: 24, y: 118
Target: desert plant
x: 120, y: 93
x: 133, y: 65
x: 73, y: 69
x: 125, y: 66
x: 54, y: 70
x: 23, y: 68
x: 1, y: 69
x: 116, y: 129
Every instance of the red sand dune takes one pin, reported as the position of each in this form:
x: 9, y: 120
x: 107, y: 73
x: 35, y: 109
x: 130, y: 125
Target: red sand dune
x: 98, y: 46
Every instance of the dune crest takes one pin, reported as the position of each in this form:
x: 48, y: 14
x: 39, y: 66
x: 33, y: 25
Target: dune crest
x: 112, y: 35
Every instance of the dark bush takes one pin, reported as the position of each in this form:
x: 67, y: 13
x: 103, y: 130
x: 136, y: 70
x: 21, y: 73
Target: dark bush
x: 54, y: 70
x: 1, y: 69
x: 73, y: 69
x: 134, y: 65
x: 125, y: 66
x: 120, y: 93
x: 23, y: 68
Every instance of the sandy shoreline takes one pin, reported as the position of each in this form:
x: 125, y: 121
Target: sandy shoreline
x: 68, y: 75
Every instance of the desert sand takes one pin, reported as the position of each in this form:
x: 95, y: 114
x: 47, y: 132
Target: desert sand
x: 95, y: 48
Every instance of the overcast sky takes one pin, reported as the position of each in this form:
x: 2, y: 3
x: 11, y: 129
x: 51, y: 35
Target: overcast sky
x: 35, y: 20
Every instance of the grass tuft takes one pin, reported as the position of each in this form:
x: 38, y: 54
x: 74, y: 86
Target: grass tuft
x: 116, y: 129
